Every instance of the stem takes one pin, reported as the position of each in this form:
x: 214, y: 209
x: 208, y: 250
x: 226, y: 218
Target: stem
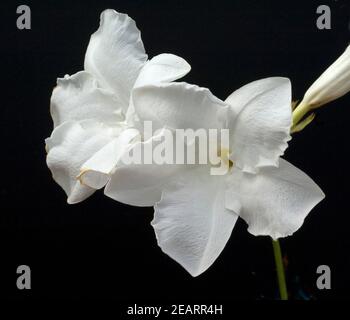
x: 299, y: 112
x: 280, y: 270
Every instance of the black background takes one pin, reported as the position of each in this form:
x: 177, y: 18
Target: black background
x: 103, y: 249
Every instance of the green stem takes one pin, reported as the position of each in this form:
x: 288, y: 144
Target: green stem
x: 280, y: 270
x: 299, y: 112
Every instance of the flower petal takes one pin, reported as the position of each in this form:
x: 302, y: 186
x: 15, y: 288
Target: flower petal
x: 69, y: 146
x: 78, y: 97
x: 140, y: 183
x: 162, y: 68
x: 178, y: 106
x: 274, y: 202
x: 116, y: 54
x: 260, y: 122
x: 191, y: 223
x: 95, y: 171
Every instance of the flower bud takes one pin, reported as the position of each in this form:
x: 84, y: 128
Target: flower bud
x: 332, y: 84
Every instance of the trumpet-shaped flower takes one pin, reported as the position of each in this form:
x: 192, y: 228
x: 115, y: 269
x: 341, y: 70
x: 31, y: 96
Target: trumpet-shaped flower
x: 195, y: 212
x: 97, y: 112
x: 92, y: 109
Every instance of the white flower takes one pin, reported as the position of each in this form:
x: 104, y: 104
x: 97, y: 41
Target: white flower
x: 92, y: 108
x: 195, y: 212
x: 331, y: 85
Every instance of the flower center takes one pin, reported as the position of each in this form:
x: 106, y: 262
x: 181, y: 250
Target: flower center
x: 224, y: 154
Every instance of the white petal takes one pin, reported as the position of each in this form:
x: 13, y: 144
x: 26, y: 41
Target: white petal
x: 178, y: 106
x: 261, y: 119
x: 140, y: 184
x: 191, y: 223
x: 162, y: 68
x: 274, y: 202
x: 115, y: 54
x: 95, y: 171
x: 78, y: 97
x: 69, y: 146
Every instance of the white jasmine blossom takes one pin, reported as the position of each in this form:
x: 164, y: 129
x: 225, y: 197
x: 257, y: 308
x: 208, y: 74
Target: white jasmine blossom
x: 97, y: 115
x: 195, y: 212
x: 91, y: 109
